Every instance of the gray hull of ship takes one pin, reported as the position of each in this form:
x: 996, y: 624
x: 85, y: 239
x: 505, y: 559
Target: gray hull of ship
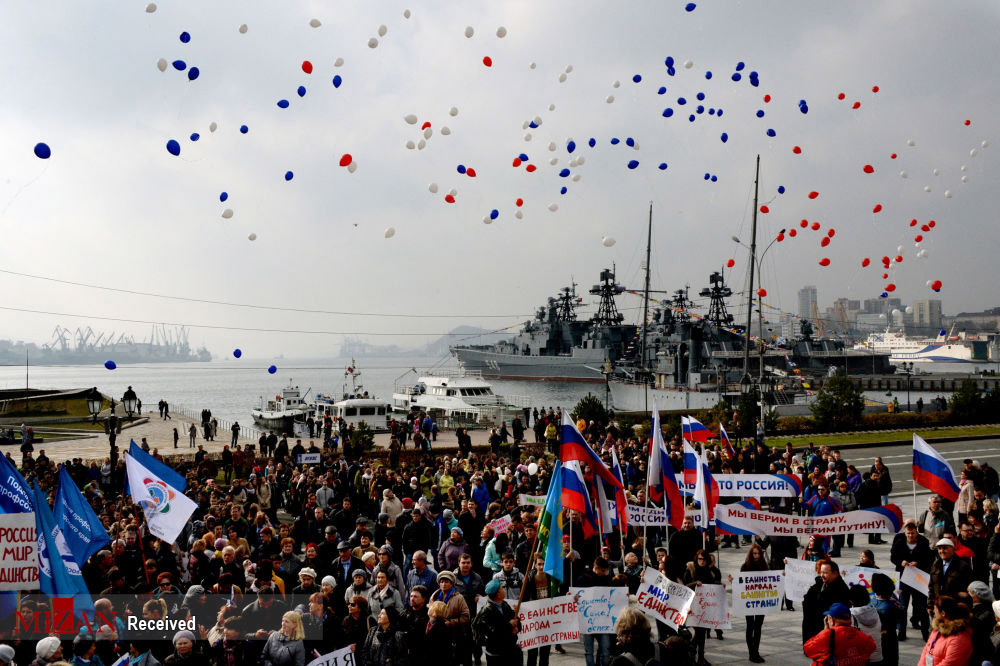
x: 511, y: 366
x: 633, y: 398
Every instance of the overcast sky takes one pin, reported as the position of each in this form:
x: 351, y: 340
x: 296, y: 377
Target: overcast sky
x: 112, y: 207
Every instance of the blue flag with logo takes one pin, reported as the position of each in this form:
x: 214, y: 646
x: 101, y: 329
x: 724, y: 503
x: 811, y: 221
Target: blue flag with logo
x: 15, y: 495
x: 158, y: 468
x: 59, y: 573
x: 82, y: 529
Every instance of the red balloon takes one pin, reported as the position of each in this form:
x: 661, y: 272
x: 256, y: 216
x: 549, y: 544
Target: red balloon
x: 426, y: 124
x: 831, y: 233
x: 346, y: 159
x: 874, y: 89
x: 968, y: 122
x: 516, y: 162
x: 780, y: 237
x: 307, y: 67
x: 932, y: 224
x: 893, y: 156
x: 767, y: 98
x: 913, y: 223
x: 936, y: 285
x: 869, y: 168
x: 899, y: 258
x: 793, y: 233
x: 488, y: 61
x: 856, y: 105
x: 530, y: 168
x: 865, y: 262
x: 449, y: 198
x: 815, y: 226
x: 825, y: 241
x: 813, y: 194
x: 918, y: 238
x: 885, y: 276
x: 925, y: 228
x: 824, y: 262
x: 519, y: 203
x: 841, y: 96
x: 763, y: 292
x: 797, y: 150
x: 730, y: 263
x: 886, y: 261
x: 890, y: 287
x: 470, y: 172
x: 877, y: 208
x: 765, y: 209
x: 804, y: 223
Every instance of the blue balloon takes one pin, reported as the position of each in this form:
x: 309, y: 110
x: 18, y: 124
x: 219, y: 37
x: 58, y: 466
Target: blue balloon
x: 244, y: 129
x: 173, y: 147
x: 669, y: 62
x: 289, y: 175
x: 691, y: 118
x: 771, y: 133
x: 571, y: 146
x: 701, y: 97
x: 755, y: 82
x: 223, y: 196
x: 630, y: 142
x: 301, y: 91
x: 562, y: 190
x: 282, y: 103
x: 760, y: 113
x: 667, y: 112
x: 533, y: 125
x: 681, y: 101
x: 592, y: 142
x: 736, y: 76
x: 636, y: 78
x: 671, y: 71
x: 193, y: 73
x: 724, y: 137
x: 739, y: 66
x: 708, y: 74
x: 237, y: 353
x: 707, y: 176
x: 753, y: 75
x: 522, y: 157
x: 804, y: 109
x: 781, y: 189
x: 179, y: 65
x: 689, y: 7
x: 942, y: 332
x: 185, y: 37
x: 337, y: 81
x: 802, y: 102
x: 700, y: 109
x: 884, y: 294
x: 711, y: 111
x: 42, y: 151
x: 564, y: 173
x: 719, y: 113
x: 110, y: 365
x: 461, y: 168
x: 494, y: 214
x: 633, y: 164
x: 715, y: 178
x: 662, y: 90
x: 663, y: 166
x: 195, y: 136
x: 615, y: 141
x: 272, y: 369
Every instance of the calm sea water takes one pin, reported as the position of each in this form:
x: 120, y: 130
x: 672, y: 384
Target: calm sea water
x: 231, y: 387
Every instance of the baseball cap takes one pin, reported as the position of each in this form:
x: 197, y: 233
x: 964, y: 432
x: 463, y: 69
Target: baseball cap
x: 838, y: 611
x: 492, y: 587
x: 944, y: 542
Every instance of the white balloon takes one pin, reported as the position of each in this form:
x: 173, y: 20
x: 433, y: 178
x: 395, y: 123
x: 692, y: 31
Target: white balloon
x: 519, y: 214
x: 373, y: 42
x: 532, y: 66
x: 453, y: 192
x: 608, y: 241
x: 929, y: 282
x: 501, y: 32
x: 947, y: 194
x: 428, y: 132
x: 911, y: 143
x: 406, y: 13
x: 581, y: 159
x: 896, y: 312
x: 352, y: 167
x: 382, y: 30
x: 936, y: 172
x: 554, y: 161
x: 390, y: 232
x: 161, y: 64
x: 445, y: 131
x: 882, y: 316
x: 610, y: 99
x: 553, y: 207
x: 963, y: 168
x: 552, y: 146
x: 909, y: 309
x: 973, y: 152
x: 252, y: 237
x: 927, y: 188
x: 339, y: 62
x: 965, y: 179
x: 552, y: 107
x: 576, y: 178
x: 688, y: 64
x: 212, y: 126
x: 532, y: 469
x: 985, y: 144
x: 616, y: 84
x: 469, y: 32
x: 487, y: 220
x: 903, y: 174
x: 453, y: 111
x: 527, y: 136
x: 899, y: 249
x: 433, y: 187
x: 572, y: 163
x: 243, y: 29
x: 226, y: 214
x: 421, y: 144
x: 562, y: 78
x: 410, y: 145
x: 410, y: 118
x: 315, y: 22
x: 150, y: 8
x: 526, y: 124
x: 569, y: 69
x: 537, y: 120
x: 635, y: 146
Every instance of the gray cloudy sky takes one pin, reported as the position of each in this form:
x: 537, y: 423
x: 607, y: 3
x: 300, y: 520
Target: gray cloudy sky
x: 112, y: 207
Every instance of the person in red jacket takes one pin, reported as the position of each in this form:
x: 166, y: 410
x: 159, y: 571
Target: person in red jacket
x: 846, y: 645
x: 950, y: 644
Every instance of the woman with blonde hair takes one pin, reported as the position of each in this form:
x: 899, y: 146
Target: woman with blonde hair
x: 286, y: 647
x: 633, y: 632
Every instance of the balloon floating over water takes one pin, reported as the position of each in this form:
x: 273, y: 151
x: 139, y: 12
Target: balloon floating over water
x: 272, y: 369
x: 237, y: 353
x: 110, y: 365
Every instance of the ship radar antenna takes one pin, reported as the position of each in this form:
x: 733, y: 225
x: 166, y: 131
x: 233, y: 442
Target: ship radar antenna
x: 717, y: 293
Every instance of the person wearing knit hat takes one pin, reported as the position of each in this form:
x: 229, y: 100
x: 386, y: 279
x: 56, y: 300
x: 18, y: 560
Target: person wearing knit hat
x: 6, y: 654
x: 183, y: 650
x: 183, y: 633
x: 328, y: 581
x: 48, y: 649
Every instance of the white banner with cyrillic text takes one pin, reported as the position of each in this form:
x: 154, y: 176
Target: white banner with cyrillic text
x: 598, y: 608
x: 758, y: 592
x: 547, y: 621
x: 878, y: 520
x: 662, y: 599
x: 710, y: 608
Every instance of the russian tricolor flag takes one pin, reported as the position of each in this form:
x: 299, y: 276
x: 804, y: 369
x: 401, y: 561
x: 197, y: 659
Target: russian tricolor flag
x: 690, y: 465
x: 727, y: 446
x: 576, y: 497
x: 575, y: 447
x: 932, y: 471
x: 711, y: 485
x: 662, y: 482
x: 696, y: 430
x: 621, y: 502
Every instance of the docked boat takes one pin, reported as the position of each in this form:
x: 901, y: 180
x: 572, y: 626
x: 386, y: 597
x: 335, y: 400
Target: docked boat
x: 454, y: 401
x: 353, y: 406
x: 282, y: 411
x: 900, y: 347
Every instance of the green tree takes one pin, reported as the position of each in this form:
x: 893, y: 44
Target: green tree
x: 839, y: 404
x: 362, y: 439
x: 967, y: 402
x: 590, y: 408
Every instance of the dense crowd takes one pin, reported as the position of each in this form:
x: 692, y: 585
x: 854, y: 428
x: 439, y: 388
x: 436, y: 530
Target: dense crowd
x: 282, y: 563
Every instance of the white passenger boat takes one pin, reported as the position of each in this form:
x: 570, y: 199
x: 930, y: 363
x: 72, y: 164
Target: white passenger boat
x: 354, y: 405
x: 279, y: 413
x: 454, y: 401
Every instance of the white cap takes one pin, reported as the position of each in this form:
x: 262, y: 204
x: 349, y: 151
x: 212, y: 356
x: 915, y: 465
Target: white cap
x: 944, y: 542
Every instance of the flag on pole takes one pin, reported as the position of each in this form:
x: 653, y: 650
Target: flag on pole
x: 711, y: 486
x: 690, y: 464
x: 575, y: 447
x: 59, y: 573
x: 662, y: 481
x: 932, y: 471
x: 727, y: 446
x: 158, y: 468
x: 621, y: 502
x: 84, y: 532
x: 167, y: 509
x: 685, y: 429
x: 15, y: 494
x: 700, y: 496
x: 550, y: 526
x: 697, y: 432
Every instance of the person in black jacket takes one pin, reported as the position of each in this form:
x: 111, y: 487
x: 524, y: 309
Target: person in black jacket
x: 911, y: 549
x: 950, y: 575
x: 537, y: 586
x: 828, y: 589
x: 496, y: 628
x: 869, y: 495
x: 416, y: 536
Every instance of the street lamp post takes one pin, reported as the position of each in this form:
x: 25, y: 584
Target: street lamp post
x: 908, y: 369
x: 129, y: 402
x: 607, y: 371
x: 94, y: 401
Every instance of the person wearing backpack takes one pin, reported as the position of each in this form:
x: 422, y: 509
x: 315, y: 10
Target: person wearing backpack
x: 495, y: 628
x: 839, y: 644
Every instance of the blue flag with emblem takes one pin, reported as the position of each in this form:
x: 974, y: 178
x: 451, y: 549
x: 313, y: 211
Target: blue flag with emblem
x: 15, y: 495
x: 82, y: 529
x: 59, y: 573
x: 158, y: 468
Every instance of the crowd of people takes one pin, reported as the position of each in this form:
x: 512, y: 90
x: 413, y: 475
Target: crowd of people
x: 282, y: 563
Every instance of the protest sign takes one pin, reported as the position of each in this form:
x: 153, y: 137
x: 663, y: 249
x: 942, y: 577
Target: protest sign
x: 598, y: 608
x: 547, y: 621
x: 710, y: 608
x: 758, y: 592
x: 662, y: 599
x: 863, y: 576
x: 501, y: 524
x: 18, y: 552
x: 641, y: 516
x: 799, y: 577
x: 341, y: 657
x: 751, y: 485
x: 308, y: 458
x: 531, y: 500
x: 915, y: 579
x: 877, y: 520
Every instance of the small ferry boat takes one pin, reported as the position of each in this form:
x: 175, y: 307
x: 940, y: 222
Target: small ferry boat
x: 278, y: 414
x: 457, y: 401
x: 355, y: 405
